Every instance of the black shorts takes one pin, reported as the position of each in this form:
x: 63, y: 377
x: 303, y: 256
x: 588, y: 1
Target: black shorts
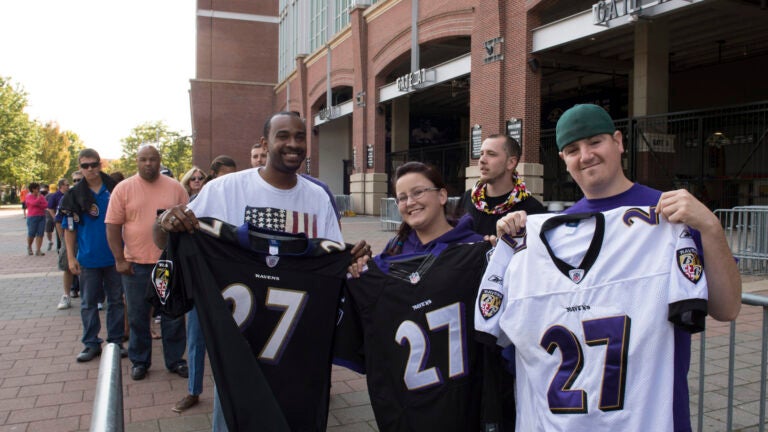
x: 49, y: 223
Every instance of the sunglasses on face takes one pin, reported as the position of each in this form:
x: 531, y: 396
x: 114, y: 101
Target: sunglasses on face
x: 196, y: 178
x: 87, y: 165
x: 76, y: 180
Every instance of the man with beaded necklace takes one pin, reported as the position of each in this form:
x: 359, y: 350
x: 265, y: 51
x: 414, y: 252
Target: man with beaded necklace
x: 500, y: 190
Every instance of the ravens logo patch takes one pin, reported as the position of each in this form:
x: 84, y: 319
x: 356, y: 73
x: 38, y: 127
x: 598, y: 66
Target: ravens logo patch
x: 689, y: 264
x: 489, y: 303
x: 161, y: 278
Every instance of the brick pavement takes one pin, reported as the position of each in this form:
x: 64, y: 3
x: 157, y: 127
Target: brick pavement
x: 42, y: 388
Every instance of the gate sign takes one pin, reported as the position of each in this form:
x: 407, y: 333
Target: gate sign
x: 515, y: 130
x: 607, y: 10
x: 415, y: 79
x: 476, y: 139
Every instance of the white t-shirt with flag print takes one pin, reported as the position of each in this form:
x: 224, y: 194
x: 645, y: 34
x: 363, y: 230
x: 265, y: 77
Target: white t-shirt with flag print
x: 245, y: 197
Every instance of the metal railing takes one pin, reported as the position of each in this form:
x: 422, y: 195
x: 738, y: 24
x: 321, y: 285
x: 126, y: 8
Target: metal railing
x: 746, y: 229
x: 390, y: 217
x: 746, y: 383
x: 343, y: 204
x: 720, y: 155
x: 108, y: 401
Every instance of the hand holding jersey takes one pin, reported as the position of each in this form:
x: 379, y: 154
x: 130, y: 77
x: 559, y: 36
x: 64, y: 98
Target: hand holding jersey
x: 418, y: 294
x: 582, y: 339
x: 591, y: 148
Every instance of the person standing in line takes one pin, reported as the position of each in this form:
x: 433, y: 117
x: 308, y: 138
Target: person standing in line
x: 195, y: 340
x: 221, y: 165
x: 89, y: 257
x: 499, y: 190
x: 193, y: 181
x: 592, y: 147
x: 23, y: 198
x: 74, y: 290
x: 259, y: 153
x: 49, y: 223
x: 35, y: 214
x: 430, y: 269
x: 135, y: 203
x: 53, y: 206
x: 251, y: 196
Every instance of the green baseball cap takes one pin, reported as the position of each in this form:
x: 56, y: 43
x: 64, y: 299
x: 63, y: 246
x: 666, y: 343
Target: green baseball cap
x: 582, y: 121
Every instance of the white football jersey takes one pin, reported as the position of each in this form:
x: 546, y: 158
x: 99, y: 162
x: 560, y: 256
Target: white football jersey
x: 590, y: 302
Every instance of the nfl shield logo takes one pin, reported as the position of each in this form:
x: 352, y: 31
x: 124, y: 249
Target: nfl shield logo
x: 415, y: 278
x: 489, y: 303
x: 272, y: 260
x: 689, y: 264
x: 161, y: 277
x: 576, y: 275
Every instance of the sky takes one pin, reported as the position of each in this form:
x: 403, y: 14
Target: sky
x: 100, y: 68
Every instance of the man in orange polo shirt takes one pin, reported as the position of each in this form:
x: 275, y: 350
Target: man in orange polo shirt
x: 132, y: 211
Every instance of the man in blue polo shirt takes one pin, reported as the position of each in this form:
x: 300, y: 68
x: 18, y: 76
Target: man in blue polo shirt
x: 84, y: 208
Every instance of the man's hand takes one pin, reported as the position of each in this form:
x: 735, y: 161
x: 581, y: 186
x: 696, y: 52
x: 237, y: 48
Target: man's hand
x: 124, y: 267
x: 179, y: 218
x: 679, y: 206
x: 510, y: 224
x: 361, y: 253
x: 74, y: 265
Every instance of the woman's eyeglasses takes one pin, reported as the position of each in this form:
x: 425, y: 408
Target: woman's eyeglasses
x: 415, y: 195
x: 196, y: 178
x: 87, y: 165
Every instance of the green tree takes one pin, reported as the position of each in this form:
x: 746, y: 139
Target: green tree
x: 175, y: 148
x: 53, y: 154
x: 177, y: 153
x: 17, y: 136
x: 75, y: 145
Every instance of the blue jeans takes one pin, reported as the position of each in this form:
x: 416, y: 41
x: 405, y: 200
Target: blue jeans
x: 35, y: 226
x: 218, y: 421
x: 196, y: 353
x: 140, y: 343
x: 98, y: 283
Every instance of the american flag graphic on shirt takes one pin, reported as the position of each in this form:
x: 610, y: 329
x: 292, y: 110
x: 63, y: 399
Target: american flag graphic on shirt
x: 282, y: 220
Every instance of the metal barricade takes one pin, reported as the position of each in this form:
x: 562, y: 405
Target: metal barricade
x: 390, y: 216
x: 108, y: 401
x: 747, y: 379
x: 343, y: 204
x: 746, y: 229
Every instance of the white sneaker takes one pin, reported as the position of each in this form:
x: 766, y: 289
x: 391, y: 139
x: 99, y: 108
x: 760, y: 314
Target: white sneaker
x: 64, y: 303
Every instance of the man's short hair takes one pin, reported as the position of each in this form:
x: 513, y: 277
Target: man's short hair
x: 89, y: 153
x: 258, y: 144
x: 268, y: 124
x: 511, y: 146
x: 62, y: 181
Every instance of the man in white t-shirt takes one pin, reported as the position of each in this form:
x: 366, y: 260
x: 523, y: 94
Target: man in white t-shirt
x: 274, y: 197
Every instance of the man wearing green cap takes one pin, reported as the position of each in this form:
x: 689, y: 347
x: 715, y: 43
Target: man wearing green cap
x: 591, y: 148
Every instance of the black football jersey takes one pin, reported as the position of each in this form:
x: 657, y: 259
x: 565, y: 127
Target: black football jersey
x: 268, y: 304
x: 407, y: 323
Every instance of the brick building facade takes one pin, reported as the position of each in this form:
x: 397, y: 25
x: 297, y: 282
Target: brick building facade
x: 366, y: 76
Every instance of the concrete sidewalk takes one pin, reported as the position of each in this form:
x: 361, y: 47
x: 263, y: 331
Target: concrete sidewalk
x: 43, y: 388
